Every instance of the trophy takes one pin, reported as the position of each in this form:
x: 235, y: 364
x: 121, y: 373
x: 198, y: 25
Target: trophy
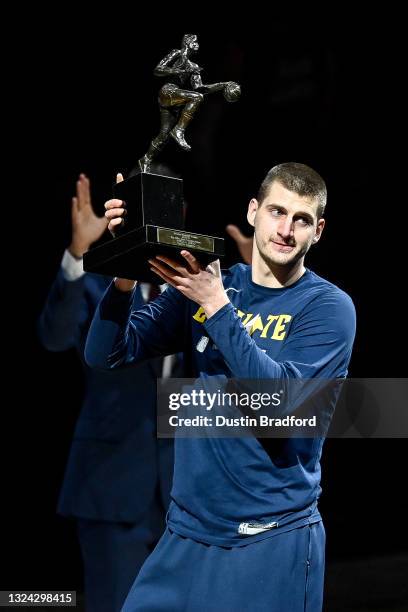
x: 154, y: 219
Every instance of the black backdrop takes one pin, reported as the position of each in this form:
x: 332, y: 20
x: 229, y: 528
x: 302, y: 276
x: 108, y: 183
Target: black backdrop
x: 320, y: 91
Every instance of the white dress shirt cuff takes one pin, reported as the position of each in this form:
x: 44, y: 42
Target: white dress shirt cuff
x: 72, y: 268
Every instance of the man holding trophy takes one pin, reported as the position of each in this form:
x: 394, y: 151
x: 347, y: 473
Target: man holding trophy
x: 207, y: 559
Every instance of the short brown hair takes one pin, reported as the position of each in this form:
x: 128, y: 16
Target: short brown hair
x: 298, y: 178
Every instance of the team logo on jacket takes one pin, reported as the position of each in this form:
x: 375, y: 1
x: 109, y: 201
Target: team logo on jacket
x: 273, y: 326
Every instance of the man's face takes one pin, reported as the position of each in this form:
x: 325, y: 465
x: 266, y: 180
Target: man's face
x: 286, y: 225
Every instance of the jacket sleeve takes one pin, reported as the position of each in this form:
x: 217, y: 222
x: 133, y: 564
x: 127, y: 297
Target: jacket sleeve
x: 119, y: 337
x: 319, y: 344
x: 65, y: 310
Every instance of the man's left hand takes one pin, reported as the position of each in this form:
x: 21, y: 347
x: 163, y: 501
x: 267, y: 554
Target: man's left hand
x: 203, y: 286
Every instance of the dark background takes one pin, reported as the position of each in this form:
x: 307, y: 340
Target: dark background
x: 318, y: 89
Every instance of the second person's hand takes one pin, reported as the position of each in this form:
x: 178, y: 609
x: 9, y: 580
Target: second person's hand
x: 244, y: 244
x: 87, y: 227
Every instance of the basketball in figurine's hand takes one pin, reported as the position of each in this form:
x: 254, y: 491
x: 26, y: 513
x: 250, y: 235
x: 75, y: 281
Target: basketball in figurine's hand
x: 232, y: 91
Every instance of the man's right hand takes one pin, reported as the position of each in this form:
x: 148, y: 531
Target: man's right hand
x: 87, y: 227
x: 243, y: 243
x: 115, y: 211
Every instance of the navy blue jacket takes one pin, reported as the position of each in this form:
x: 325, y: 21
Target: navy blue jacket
x: 116, y: 462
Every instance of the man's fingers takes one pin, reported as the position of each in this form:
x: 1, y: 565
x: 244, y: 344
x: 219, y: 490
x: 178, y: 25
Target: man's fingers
x: 74, y: 211
x: 192, y: 261
x: 85, y: 188
x: 115, y: 212
x: 83, y: 192
x: 112, y: 213
x: 173, y: 281
x: 172, y: 270
x: 235, y: 233
x: 79, y: 192
x: 114, y: 203
x: 244, y: 243
x: 167, y: 279
x: 114, y: 223
x: 119, y: 177
x: 171, y: 263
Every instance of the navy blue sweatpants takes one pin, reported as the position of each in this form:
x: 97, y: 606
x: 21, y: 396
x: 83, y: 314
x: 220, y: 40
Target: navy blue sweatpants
x: 283, y: 573
x: 112, y: 555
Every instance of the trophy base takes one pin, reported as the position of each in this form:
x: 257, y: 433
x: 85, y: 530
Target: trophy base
x: 126, y: 256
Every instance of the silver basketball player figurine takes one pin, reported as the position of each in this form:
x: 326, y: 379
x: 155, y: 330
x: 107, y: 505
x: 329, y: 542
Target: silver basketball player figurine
x: 181, y: 96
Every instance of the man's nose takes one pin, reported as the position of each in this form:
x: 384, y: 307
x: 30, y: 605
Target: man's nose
x: 286, y: 228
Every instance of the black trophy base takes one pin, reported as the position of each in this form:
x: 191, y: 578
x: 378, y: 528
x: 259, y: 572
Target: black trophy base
x: 127, y: 255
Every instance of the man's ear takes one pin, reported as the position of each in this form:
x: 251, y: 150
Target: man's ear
x: 252, y: 208
x: 319, y: 229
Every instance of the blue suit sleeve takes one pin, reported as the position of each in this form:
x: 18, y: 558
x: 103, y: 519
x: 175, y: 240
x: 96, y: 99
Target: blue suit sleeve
x: 119, y: 337
x: 319, y: 343
x: 60, y: 323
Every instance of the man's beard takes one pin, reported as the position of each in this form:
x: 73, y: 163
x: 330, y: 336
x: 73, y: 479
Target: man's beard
x: 289, y: 260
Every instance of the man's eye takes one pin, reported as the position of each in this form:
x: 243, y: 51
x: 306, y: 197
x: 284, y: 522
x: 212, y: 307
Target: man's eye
x: 276, y: 212
x: 302, y: 221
